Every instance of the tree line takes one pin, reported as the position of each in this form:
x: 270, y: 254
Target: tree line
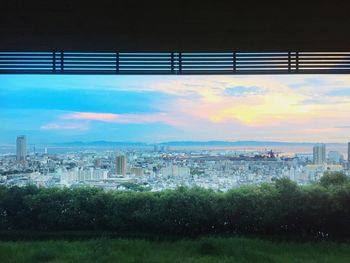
x: 319, y: 210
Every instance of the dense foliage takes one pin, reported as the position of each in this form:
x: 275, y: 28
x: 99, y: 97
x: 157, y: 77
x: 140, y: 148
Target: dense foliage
x: 320, y: 210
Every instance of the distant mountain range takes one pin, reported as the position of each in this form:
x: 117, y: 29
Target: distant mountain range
x: 185, y: 143
x: 234, y: 143
x: 100, y: 143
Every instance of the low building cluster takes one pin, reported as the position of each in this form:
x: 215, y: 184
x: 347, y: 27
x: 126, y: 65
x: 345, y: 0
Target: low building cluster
x: 157, y: 168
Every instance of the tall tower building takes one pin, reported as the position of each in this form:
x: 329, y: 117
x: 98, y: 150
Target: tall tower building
x: 21, y: 148
x: 319, y: 153
x: 349, y: 155
x: 121, y: 164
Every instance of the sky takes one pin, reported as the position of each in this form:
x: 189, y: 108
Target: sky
x: 65, y: 108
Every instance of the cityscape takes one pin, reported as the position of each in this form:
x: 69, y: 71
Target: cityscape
x: 156, y: 167
x: 51, y: 122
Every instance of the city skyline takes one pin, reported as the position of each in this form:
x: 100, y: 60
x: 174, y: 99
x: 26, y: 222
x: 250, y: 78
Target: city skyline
x: 53, y: 109
x: 159, y: 168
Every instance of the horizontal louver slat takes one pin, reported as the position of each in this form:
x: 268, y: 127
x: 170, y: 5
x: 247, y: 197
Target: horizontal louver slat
x: 174, y: 63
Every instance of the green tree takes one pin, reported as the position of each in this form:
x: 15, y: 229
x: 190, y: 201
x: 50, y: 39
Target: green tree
x: 333, y: 178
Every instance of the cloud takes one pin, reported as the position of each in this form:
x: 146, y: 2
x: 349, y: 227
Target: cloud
x: 104, y: 117
x: 313, y: 81
x: 345, y: 92
x: 57, y: 126
x: 242, y: 91
x: 122, y: 118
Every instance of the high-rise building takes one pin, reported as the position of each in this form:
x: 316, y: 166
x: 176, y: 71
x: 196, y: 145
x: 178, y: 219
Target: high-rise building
x: 334, y: 157
x: 155, y: 148
x: 175, y: 171
x: 21, y: 148
x: 97, y: 163
x: 138, y: 171
x: 349, y: 154
x: 319, y: 153
x: 121, y: 164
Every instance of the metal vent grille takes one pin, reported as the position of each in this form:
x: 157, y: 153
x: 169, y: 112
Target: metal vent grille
x: 143, y: 63
x: 329, y: 61
x: 281, y: 62
x: 26, y: 62
x: 206, y: 63
x: 85, y: 63
x: 176, y: 63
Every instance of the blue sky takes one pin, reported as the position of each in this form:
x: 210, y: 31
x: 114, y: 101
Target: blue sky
x: 62, y: 108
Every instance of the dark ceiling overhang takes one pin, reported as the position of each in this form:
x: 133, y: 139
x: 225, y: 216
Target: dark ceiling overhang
x: 181, y: 26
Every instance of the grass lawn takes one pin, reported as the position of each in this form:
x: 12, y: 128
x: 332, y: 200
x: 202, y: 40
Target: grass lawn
x: 234, y: 249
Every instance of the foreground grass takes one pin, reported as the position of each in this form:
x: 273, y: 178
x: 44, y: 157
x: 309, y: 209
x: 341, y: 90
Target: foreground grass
x: 201, y: 250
